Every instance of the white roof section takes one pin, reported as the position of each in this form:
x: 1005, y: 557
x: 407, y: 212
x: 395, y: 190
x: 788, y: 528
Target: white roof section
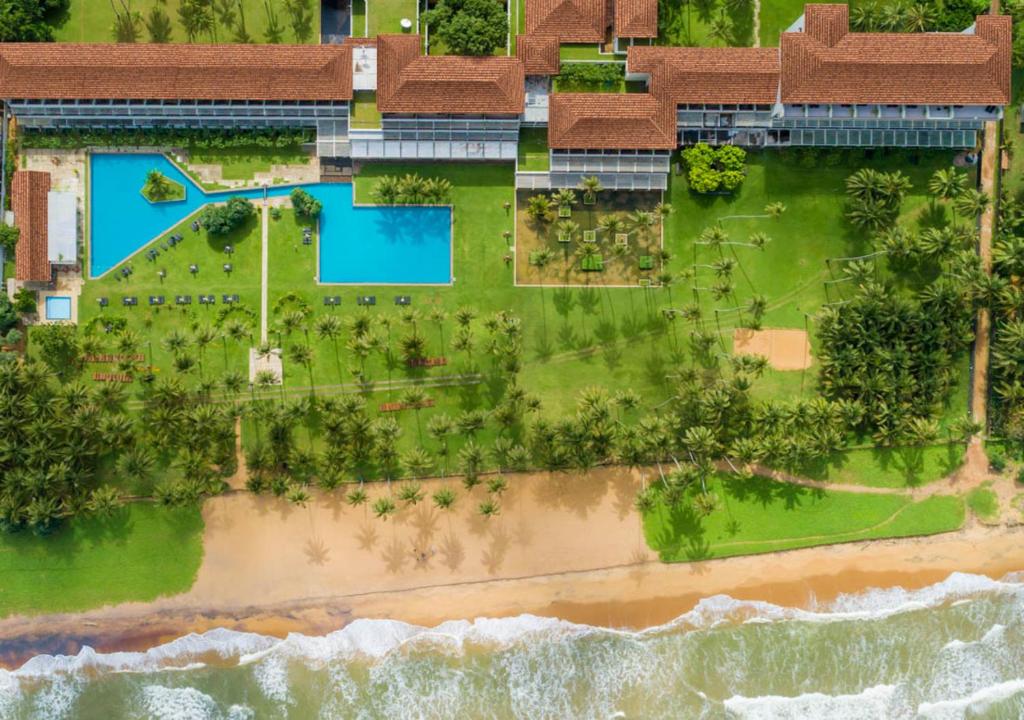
x: 364, y: 68
x: 62, y: 228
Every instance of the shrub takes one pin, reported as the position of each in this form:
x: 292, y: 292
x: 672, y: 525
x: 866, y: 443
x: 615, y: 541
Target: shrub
x: 996, y: 458
x: 591, y: 73
x: 199, y: 138
x: 713, y: 168
x: 25, y: 301
x: 222, y: 219
x: 305, y: 204
x: 8, y: 238
x: 159, y: 187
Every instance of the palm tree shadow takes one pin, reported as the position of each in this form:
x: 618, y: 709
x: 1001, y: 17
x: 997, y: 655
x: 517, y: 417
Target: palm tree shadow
x: 452, y: 552
x: 316, y: 551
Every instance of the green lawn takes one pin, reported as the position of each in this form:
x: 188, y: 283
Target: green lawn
x: 364, y: 110
x: 761, y: 515
x: 154, y: 323
x: 983, y: 502
x: 386, y: 15
x: 776, y: 16
x: 358, y: 18
x: 690, y: 24
x: 141, y: 553
x: 243, y: 163
x: 93, y: 20
x: 587, y: 52
x: 1013, y: 179
x: 533, y: 149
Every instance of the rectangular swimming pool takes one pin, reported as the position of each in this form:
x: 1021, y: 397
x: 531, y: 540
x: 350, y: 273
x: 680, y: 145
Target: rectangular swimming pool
x: 58, y: 308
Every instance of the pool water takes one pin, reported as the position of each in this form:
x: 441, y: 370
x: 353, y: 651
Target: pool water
x: 358, y: 245
x: 58, y: 308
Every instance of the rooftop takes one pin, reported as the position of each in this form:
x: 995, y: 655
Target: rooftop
x: 709, y: 75
x: 828, y: 64
x: 608, y: 121
x: 539, y: 53
x: 581, y: 21
x: 408, y: 82
x: 146, y: 71
x: 29, y: 200
x: 636, y: 18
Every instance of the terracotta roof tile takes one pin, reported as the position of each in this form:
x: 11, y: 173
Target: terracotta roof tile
x: 636, y: 18
x: 709, y: 75
x: 408, y: 82
x: 170, y: 72
x: 539, y: 53
x: 609, y: 121
x: 826, y: 63
x: 29, y: 200
x: 582, y: 21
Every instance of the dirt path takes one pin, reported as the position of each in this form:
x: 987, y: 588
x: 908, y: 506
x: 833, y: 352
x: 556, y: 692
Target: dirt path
x: 990, y: 157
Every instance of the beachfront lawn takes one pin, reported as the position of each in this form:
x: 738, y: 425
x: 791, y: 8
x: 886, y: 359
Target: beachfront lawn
x: 533, y: 150
x: 140, y: 553
x: 385, y: 16
x: 900, y: 467
x: 365, y: 114
x: 984, y: 502
x: 559, y: 252
x: 760, y: 515
x: 93, y: 22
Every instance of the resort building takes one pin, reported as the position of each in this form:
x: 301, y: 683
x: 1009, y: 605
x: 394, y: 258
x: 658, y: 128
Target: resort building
x: 442, y: 107
x: 58, y: 86
x: 823, y: 86
x: 47, y: 223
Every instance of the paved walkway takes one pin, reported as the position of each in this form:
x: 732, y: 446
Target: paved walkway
x: 264, y: 253
x: 990, y: 157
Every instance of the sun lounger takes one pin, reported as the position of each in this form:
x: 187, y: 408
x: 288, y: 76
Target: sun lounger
x: 403, y: 300
x: 366, y: 300
x: 182, y: 299
x: 130, y: 301
x: 103, y: 302
x: 156, y: 299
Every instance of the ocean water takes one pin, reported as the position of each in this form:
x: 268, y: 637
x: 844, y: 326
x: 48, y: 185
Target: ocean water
x: 952, y: 650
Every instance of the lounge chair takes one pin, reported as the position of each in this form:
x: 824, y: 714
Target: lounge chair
x: 366, y: 300
x: 226, y: 299
x: 156, y: 299
x: 228, y: 267
x: 130, y: 301
x: 403, y: 300
x: 103, y: 302
x: 193, y: 268
x: 182, y: 299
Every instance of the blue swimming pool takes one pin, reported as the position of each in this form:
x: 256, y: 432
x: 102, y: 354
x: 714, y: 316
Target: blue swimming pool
x: 358, y: 245
x: 58, y: 308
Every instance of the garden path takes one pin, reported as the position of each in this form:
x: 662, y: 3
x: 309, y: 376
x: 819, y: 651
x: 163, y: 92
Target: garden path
x: 264, y: 254
x: 989, y: 167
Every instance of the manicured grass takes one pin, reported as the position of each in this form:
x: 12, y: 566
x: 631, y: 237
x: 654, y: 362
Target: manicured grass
x: 533, y: 149
x: 152, y: 324
x: 761, y: 515
x: 983, y: 502
x: 587, y: 52
x: 91, y: 21
x: 244, y: 163
x: 906, y: 467
x: 139, y: 554
x: 689, y: 24
x: 386, y: 16
x: 364, y: 110
x: 776, y: 16
x: 1013, y: 179
x: 622, y: 86
x: 358, y: 18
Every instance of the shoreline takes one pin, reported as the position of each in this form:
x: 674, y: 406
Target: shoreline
x: 645, y: 594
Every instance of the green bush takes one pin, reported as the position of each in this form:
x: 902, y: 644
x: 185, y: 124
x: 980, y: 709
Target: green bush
x: 199, y: 138
x: 305, y: 204
x: 711, y: 169
x: 25, y: 301
x: 222, y: 219
x: 996, y: 458
x: 591, y: 73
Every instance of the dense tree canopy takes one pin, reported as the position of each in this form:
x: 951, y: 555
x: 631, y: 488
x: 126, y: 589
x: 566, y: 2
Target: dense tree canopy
x: 222, y: 219
x: 29, y: 20
x: 469, y: 27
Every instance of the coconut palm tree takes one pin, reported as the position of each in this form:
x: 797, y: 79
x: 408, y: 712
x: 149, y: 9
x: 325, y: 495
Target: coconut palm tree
x: 384, y: 508
x: 444, y: 498
x: 356, y: 496
x: 591, y: 186
x: 538, y: 209
x: 565, y: 197
x: 489, y: 509
x: 567, y: 229
x: 386, y: 190
x: 411, y: 494
x: 947, y: 183
x: 440, y: 427
x: 971, y: 202
x: 611, y: 224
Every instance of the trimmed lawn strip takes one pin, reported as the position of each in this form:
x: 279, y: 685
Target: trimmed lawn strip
x: 761, y: 515
x: 386, y: 16
x: 364, y: 109
x: 244, y: 163
x: 776, y: 16
x: 141, y: 553
x: 533, y: 149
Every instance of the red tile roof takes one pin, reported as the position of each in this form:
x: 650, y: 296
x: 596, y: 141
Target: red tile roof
x: 607, y: 121
x: 827, y: 64
x: 408, y: 82
x: 29, y: 199
x: 582, y: 21
x: 709, y: 75
x: 539, y: 53
x: 636, y: 18
x: 170, y: 72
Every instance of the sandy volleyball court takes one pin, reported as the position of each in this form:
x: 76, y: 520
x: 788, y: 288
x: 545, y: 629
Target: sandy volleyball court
x: 785, y: 349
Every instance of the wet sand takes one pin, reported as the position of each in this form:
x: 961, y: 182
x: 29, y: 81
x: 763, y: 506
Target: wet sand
x: 563, y: 546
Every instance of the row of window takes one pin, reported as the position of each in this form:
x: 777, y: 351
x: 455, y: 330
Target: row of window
x: 130, y: 111
x: 379, y: 149
x: 180, y: 103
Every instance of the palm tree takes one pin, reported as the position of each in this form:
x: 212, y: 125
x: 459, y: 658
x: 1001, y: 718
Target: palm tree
x: 590, y: 186
x: 384, y: 508
x: 971, y: 202
x: 489, y: 508
x: 104, y: 501
x: 303, y: 355
x: 720, y: 29
x: 497, y: 485
x: 774, y: 209
x: 444, y: 498
x: 471, y: 457
x: 174, y: 341
x: 418, y: 462
x: 538, y: 209
x: 386, y: 190
x: 440, y: 427
x: 203, y: 338
x: 565, y: 197
x: 947, y: 183
x: 329, y: 327
x: 356, y: 496
x: 567, y: 230
x: 611, y: 224
x: 411, y: 493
